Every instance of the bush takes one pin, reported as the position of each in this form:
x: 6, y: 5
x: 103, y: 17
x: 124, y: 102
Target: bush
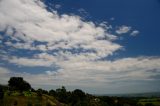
x: 15, y: 93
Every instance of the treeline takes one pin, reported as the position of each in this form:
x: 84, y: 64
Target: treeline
x: 70, y: 98
x: 74, y: 98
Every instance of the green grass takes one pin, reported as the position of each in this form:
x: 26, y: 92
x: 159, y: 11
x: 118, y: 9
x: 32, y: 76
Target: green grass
x: 155, y: 101
x: 27, y: 93
x: 28, y: 99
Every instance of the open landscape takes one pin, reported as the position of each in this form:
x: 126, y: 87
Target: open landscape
x: 79, y: 52
x: 14, y: 94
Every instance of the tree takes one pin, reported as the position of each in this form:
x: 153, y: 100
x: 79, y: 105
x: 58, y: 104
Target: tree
x: 42, y: 91
x: 39, y: 92
x: 62, y: 94
x: 33, y: 90
x: 52, y: 92
x: 1, y: 92
x: 17, y: 83
x: 78, y: 98
x: 79, y: 93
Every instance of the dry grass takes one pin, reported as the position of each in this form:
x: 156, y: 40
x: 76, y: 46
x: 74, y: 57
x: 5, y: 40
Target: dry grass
x: 34, y: 100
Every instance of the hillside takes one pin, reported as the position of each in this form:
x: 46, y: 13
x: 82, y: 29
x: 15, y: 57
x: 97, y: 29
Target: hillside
x: 19, y: 92
x: 28, y: 99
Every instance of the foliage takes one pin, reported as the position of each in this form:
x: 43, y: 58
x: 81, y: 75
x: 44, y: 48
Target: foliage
x: 27, y: 93
x: 79, y: 94
x: 52, y: 92
x: 17, y: 83
x: 61, y: 94
x: 1, y: 93
x: 15, y: 93
x: 33, y: 90
x: 41, y: 91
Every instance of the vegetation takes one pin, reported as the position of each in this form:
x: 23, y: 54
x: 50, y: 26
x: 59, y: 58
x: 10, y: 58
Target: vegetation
x: 1, y: 92
x: 149, y: 101
x: 19, y: 93
x: 17, y: 83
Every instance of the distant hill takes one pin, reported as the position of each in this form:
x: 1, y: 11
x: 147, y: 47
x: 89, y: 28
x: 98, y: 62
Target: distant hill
x: 147, y: 94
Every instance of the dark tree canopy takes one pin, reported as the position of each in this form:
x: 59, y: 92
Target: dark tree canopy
x: 52, y: 92
x: 17, y: 83
x: 1, y: 92
x: 79, y: 93
x: 62, y: 94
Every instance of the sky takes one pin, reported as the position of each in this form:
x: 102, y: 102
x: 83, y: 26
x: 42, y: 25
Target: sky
x: 99, y: 46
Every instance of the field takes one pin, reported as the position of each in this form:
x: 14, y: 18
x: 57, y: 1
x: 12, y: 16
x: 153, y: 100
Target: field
x: 154, y: 101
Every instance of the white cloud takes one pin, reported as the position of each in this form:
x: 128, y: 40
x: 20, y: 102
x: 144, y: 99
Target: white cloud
x: 95, y: 73
x: 27, y: 21
x: 124, y: 69
x: 123, y: 29
x: 107, y: 75
x: 31, y: 62
x: 134, y: 33
x: 32, y: 22
x: 38, y: 24
x: 4, y: 74
x: 4, y: 70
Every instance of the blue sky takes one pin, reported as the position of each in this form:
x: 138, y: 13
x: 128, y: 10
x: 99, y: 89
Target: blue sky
x: 100, y: 46
x: 140, y: 14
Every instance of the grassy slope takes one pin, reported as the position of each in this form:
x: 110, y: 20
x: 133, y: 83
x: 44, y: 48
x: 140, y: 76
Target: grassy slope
x: 155, y: 101
x: 30, y: 100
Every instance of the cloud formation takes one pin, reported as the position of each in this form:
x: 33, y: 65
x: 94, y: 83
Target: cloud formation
x: 95, y: 73
x: 32, y: 22
x: 79, y: 48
